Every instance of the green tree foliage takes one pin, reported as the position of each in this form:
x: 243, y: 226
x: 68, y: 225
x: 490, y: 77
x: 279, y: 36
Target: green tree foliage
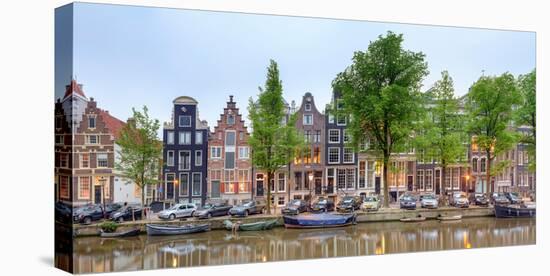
x: 274, y: 138
x: 489, y: 105
x: 380, y: 92
x: 140, y: 150
x: 527, y: 113
x: 442, y: 135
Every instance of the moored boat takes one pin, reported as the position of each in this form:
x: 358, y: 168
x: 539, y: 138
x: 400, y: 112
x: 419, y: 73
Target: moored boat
x: 413, y: 219
x: 449, y: 218
x: 320, y: 220
x: 515, y: 211
x: 159, y: 230
x: 253, y: 226
x: 127, y: 233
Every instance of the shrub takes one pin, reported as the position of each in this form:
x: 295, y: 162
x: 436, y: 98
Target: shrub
x: 109, y: 226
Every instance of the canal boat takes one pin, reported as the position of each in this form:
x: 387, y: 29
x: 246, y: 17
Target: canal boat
x: 320, y: 220
x: 122, y: 234
x: 253, y: 226
x: 515, y: 211
x: 161, y: 230
x: 449, y: 218
x: 418, y: 218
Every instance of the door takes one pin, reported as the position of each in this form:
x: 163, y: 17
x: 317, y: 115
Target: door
x: 215, y: 189
x: 259, y: 188
x: 97, y: 194
x: 377, y: 185
x: 318, y: 187
x: 410, y: 182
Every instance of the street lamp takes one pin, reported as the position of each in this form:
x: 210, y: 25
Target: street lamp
x: 310, y: 176
x: 468, y: 182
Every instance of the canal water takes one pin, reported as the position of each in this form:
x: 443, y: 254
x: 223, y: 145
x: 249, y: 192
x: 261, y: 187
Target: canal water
x: 94, y: 254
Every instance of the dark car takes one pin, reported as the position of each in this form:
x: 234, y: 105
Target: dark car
x: 322, y: 205
x: 95, y: 212
x: 63, y: 212
x: 213, y: 210
x: 514, y: 198
x: 125, y: 213
x: 294, y: 207
x: 248, y: 207
x: 407, y: 202
x: 349, y: 204
x: 479, y: 199
x: 499, y: 199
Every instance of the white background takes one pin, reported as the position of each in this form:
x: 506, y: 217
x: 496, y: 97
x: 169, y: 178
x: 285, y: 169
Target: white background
x: 26, y: 153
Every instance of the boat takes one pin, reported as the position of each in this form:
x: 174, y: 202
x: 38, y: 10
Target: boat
x: 253, y: 226
x: 419, y: 218
x: 515, y: 211
x: 449, y: 218
x: 127, y: 233
x: 160, y: 230
x: 319, y: 220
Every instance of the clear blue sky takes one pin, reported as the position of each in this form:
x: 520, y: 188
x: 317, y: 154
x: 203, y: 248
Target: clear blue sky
x: 130, y: 56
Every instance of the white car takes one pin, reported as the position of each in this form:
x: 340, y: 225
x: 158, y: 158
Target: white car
x: 181, y: 210
x: 429, y: 201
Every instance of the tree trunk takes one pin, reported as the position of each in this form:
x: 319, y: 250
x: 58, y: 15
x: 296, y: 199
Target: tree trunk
x: 488, y: 173
x: 386, y: 184
x: 443, y: 184
x: 142, y: 202
x: 268, y: 192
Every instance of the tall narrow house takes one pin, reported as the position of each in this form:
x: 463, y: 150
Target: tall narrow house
x: 185, y: 145
x: 229, y: 159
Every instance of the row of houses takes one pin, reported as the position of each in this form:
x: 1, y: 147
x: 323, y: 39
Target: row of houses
x: 202, y: 164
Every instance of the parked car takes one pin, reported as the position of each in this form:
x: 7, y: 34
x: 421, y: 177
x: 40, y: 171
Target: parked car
x: 95, y: 212
x: 322, y: 205
x: 371, y: 203
x: 499, y: 199
x: 479, y: 199
x: 248, y: 207
x: 213, y: 210
x: 294, y: 207
x: 349, y: 204
x: 125, y: 213
x: 514, y: 198
x: 181, y: 210
x: 429, y: 201
x: 460, y: 200
x: 407, y: 202
x: 63, y: 212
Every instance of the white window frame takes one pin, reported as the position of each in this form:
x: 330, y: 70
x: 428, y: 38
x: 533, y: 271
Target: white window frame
x: 329, y: 136
x: 199, y: 138
x: 198, y: 161
x: 180, y: 184
x: 307, y: 107
x: 88, y: 140
x: 97, y: 159
x: 182, y: 134
x: 344, y: 155
x: 332, y: 162
x: 62, y: 195
x: 217, y: 149
x: 180, y: 168
x: 59, y: 139
x: 341, y: 124
x: 182, y: 116
x: 168, y: 163
x: 92, y: 117
x: 244, y: 156
x: 170, y: 137
x: 278, y: 182
x: 304, y: 121
x: 193, y: 182
x: 82, y: 160
x: 89, y: 187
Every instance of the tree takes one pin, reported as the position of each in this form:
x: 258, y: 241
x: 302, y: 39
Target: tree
x: 441, y: 137
x: 526, y: 114
x: 273, y: 139
x: 489, y: 106
x: 140, y: 150
x: 380, y: 92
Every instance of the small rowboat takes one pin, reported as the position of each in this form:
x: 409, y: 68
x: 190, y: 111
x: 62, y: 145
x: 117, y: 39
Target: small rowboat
x: 320, y: 220
x: 161, y: 230
x: 449, y: 218
x: 254, y: 226
x: 127, y: 233
x: 414, y: 219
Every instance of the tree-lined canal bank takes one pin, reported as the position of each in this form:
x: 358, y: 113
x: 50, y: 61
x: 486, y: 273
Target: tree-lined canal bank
x: 94, y: 254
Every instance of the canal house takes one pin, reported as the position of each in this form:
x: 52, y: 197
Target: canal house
x: 185, y: 146
x: 229, y: 158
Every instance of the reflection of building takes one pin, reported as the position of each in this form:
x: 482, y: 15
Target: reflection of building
x: 229, y: 159
x: 308, y: 167
x: 185, y: 145
x: 84, y: 171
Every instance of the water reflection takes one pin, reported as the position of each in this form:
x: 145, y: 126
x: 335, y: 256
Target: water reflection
x: 222, y: 247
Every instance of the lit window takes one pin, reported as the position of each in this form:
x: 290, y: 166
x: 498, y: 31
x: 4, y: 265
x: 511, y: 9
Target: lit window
x: 85, y: 160
x: 64, y: 187
x: 84, y: 187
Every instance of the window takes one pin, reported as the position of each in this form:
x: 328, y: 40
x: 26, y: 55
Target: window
x: 341, y: 120
x: 198, y: 158
x: 334, y: 136
x: 281, y: 182
x: 170, y: 137
x: 59, y: 139
x: 184, y: 184
x: 333, y: 155
x: 185, y: 121
x: 215, y: 177
x: 349, y: 156
x: 474, y: 164
x: 281, y: 201
x: 346, y: 136
x: 170, y: 158
x: 243, y: 181
x: 102, y: 160
x: 429, y: 180
x: 91, y: 121
x: 307, y: 136
x: 84, y: 187
x: 341, y: 178
x: 230, y: 119
x: 244, y: 152
x: 308, y: 107
x: 64, y: 187
x: 483, y: 164
x: 308, y: 119
x: 170, y: 177
x: 350, y: 178
x: 362, y: 173
x: 229, y: 160
x: 185, y: 138
x: 184, y: 161
x: 215, y: 152
x: 92, y: 139
x: 298, y: 181
x: 330, y: 119
x: 317, y: 155
x: 241, y: 135
x: 370, y: 174
x: 230, y: 138
x: 197, y: 187
x: 58, y: 121
x: 229, y: 181
x: 85, y: 160
x: 198, y: 137
x: 317, y: 137
x: 420, y: 179
x: 64, y: 160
